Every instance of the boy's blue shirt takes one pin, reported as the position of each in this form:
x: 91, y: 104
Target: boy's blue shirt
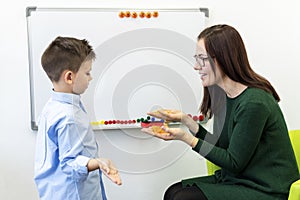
x: 65, y: 144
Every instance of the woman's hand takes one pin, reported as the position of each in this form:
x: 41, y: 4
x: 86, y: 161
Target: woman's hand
x: 107, y: 167
x: 172, y: 134
x: 176, y: 116
x: 168, y: 115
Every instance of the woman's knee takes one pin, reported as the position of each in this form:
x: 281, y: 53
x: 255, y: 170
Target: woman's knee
x: 171, y: 190
x: 178, y: 192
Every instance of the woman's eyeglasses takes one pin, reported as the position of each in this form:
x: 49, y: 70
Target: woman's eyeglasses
x: 200, y: 60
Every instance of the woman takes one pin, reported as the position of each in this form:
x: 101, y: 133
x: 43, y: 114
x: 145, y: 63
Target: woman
x: 250, y: 139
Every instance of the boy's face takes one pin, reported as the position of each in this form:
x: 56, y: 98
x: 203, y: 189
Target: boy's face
x: 82, y: 77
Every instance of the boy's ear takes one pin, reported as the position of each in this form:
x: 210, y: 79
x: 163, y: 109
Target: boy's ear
x: 68, y: 77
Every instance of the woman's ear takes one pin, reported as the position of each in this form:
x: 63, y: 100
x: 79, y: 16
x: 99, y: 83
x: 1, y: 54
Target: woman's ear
x: 68, y: 77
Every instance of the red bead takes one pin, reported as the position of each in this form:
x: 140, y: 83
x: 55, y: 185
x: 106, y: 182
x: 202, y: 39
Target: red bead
x: 201, y: 117
x: 195, y: 118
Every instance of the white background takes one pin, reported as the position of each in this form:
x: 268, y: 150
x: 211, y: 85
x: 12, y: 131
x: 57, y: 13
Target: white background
x: 269, y: 28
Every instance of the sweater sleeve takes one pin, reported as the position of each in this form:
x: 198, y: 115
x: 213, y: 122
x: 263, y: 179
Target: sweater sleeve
x: 245, y: 127
x: 203, y: 134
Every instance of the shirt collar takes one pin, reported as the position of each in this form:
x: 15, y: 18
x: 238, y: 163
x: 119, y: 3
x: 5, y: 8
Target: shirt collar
x: 69, y: 98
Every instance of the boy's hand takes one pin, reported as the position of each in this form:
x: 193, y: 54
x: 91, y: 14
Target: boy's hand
x: 107, y: 167
x: 109, y: 170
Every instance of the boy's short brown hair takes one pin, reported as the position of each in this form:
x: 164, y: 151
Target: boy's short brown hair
x: 65, y: 53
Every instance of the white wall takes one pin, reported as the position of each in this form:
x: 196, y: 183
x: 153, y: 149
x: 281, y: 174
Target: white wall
x: 270, y: 30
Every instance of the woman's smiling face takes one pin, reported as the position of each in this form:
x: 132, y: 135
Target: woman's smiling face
x: 209, y: 71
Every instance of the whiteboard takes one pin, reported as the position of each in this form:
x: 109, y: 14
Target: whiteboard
x: 142, y: 63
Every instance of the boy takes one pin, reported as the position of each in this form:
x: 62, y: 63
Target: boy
x: 66, y: 166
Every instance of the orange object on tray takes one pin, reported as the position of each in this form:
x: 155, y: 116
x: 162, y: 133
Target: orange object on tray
x: 155, y: 126
x: 149, y: 124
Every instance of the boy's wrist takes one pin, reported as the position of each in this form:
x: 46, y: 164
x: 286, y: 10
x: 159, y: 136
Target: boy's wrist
x: 92, y: 165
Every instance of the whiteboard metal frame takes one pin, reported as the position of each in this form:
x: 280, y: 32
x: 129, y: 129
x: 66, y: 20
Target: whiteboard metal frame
x: 31, y: 9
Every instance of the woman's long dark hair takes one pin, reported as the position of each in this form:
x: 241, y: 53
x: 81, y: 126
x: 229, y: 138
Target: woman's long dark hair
x: 225, y: 46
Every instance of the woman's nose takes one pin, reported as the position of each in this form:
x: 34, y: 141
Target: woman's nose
x: 197, y: 66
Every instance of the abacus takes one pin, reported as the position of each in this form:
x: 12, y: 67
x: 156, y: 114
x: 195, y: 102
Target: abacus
x: 141, y: 122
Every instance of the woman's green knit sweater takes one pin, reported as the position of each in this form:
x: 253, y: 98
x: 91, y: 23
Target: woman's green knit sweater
x: 253, y: 150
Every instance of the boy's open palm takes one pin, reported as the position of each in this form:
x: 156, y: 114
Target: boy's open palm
x: 109, y: 170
